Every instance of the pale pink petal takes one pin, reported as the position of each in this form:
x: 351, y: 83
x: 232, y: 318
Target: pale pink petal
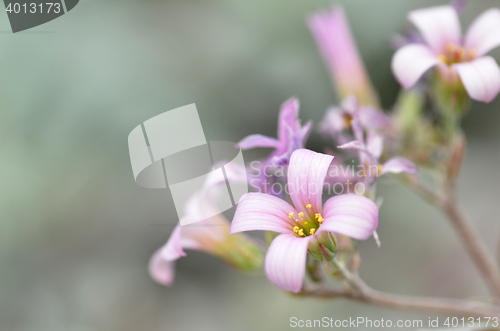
x: 484, y: 33
x: 374, y: 118
x: 172, y: 250
x: 353, y: 145
x: 350, y: 104
x: 258, y: 140
x: 357, y: 125
x: 352, y: 215
x: 439, y: 26
x: 399, y: 165
x: 374, y: 144
x: 161, y: 270
x: 259, y: 211
x: 334, y: 122
x: 306, y: 175
x: 411, y: 62
x: 481, y: 78
x: 288, y: 122
x: 285, y: 262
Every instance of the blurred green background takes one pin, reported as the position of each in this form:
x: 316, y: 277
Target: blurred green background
x: 76, y: 232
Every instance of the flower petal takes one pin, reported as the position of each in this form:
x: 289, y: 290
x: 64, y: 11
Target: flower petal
x: 411, y: 62
x: 439, y: 26
x: 374, y: 144
x: 285, y: 263
x: 259, y: 211
x: 481, y: 78
x: 161, y: 270
x: 288, y: 123
x: 172, y: 250
x: 399, y: 165
x: 353, y: 145
x: 374, y: 118
x: 334, y: 122
x: 352, y: 215
x: 338, y: 48
x: 484, y: 33
x: 306, y: 175
x: 258, y: 140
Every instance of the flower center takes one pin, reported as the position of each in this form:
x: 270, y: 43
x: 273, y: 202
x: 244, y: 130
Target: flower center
x: 347, y: 120
x: 368, y: 171
x: 306, y: 226
x: 454, y: 54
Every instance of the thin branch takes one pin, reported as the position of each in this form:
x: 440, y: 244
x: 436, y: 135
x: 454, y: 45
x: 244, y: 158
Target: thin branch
x: 436, y: 305
x: 475, y: 246
x: 473, y: 242
x: 358, y: 290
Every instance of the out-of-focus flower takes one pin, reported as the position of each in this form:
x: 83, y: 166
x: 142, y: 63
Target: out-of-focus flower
x: 291, y: 135
x: 210, y: 236
x: 338, y: 48
x: 456, y: 59
x: 338, y: 120
x: 306, y: 225
x: 370, y: 150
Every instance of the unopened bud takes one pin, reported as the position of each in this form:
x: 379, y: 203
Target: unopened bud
x: 323, y: 247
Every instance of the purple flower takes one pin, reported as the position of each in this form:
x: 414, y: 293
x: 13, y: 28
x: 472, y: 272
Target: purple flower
x: 455, y: 58
x: 370, y: 150
x: 306, y: 222
x: 333, y: 36
x: 291, y: 135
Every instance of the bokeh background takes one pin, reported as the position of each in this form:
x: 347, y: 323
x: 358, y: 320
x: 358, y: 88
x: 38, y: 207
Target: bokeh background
x: 76, y: 232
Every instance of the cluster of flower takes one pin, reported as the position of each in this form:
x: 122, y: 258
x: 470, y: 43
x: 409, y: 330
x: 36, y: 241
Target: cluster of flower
x: 303, y: 232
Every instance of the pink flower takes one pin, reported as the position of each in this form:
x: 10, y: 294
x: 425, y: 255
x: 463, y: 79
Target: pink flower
x: 454, y: 57
x: 369, y: 151
x: 338, y: 120
x: 210, y: 236
x: 338, y: 48
x: 304, y: 223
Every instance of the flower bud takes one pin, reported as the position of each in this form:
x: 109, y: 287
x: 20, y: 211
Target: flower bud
x: 323, y: 247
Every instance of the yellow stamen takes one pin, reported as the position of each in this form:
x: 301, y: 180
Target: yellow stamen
x: 308, y: 206
x: 379, y: 169
x: 296, y: 229
x: 317, y: 215
x: 301, y: 232
x: 320, y: 220
x: 290, y: 215
x: 312, y: 231
x: 459, y: 55
x: 451, y: 47
x: 443, y: 58
x: 472, y: 53
x: 301, y: 214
